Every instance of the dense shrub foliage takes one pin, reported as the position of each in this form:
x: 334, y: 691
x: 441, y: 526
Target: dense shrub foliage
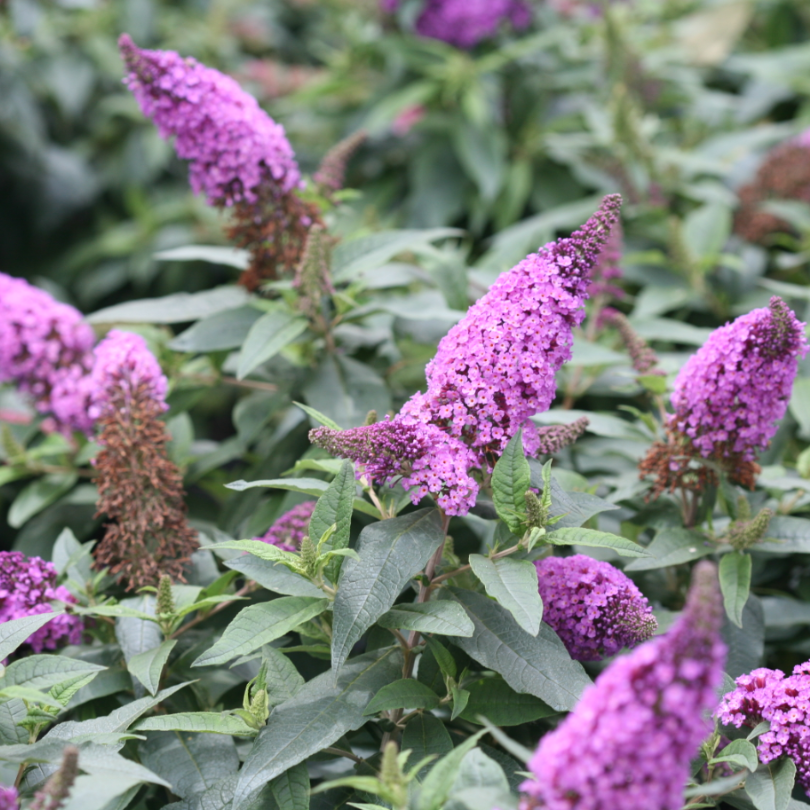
x: 404, y: 405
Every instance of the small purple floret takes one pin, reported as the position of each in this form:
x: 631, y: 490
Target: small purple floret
x: 9, y: 798
x: 594, y: 608
x: 289, y: 530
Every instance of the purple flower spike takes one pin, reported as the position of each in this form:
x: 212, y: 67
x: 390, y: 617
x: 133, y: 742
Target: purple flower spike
x: 123, y: 366
x: 629, y: 741
x: 45, y: 348
x: 27, y: 586
x: 233, y: 145
x: 593, y: 607
x: 9, y: 798
x: 608, y: 268
x: 766, y: 694
x: 465, y: 23
x: 730, y: 395
x: 290, y: 529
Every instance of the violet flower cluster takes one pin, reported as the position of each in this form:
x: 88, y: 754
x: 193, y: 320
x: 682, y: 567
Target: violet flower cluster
x: 766, y: 694
x: 233, y: 145
x: 45, y: 349
x: 493, y: 370
x: 123, y: 365
x: 9, y: 798
x: 730, y: 395
x: 27, y: 586
x: 594, y: 608
x: 608, y: 267
x: 465, y: 23
x: 291, y: 528
x: 629, y: 741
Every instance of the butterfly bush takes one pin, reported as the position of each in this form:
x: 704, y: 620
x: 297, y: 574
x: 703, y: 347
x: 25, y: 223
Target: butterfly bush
x: 629, y: 741
x: 492, y: 371
x: 608, y: 268
x: 27, y: 587
x: 465, y: 23
x: 290, y: 529
x: 594, y: 608
x: 9, y: 798
x: 233, y: 145
x: 45, y: 349
x: 730, y: 395
x: 766, y: 694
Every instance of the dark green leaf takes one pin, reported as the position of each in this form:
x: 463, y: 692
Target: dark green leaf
x: 391, y: 553
x: 222, y: 330
x: 436, y: 785
x: 510, y: 480
x: 335, y: 507
x: 148, y: 666
x: 735, y: 583
x: 501, y: 705
x: 513, y: 584
x: 745, y: 645
x: 447, y: 618
x: 404, y: 694
x: 37, y: 495
x: 538, y: 665
x: 208, y: 722
x: 291, y: 789
x: 260, y: 624
x: 673, y: 547
x: 274, y: 576
x: 319, y: 715
x: 320, y: 418
x: 425, y: 735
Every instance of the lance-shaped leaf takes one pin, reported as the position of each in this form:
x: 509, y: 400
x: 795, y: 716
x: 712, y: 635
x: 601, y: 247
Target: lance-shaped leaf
x: 16, y: 632
x: 391, y: 553
x: 291, y: 789
x: 735, y: 583
x: 319, y: 715
x: 274, y: 576
x: 673, y: 546
x: 208, y: 722
x: 495, y: 700
x: 447, y: 618
x: 267, y: 337
x: 539, y: 665
x: 147, y: 666
x: 770, y: 786
x: 45, y: 671
x: 258, y: 625
x: 740, y: 752
x: 403, y: 694
x: 335, y: 507
x: 511, y: 478
x: 596, y: 539
x: 513, y: 584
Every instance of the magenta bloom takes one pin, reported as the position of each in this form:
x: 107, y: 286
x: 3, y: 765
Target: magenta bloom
x: 27, y: 586
x: 45, y: 349
x: 9, y: 798
x: 730, y: 395
x: 594, y: 608
x: 123, y: 366
x: 608, y: 267
x: 629, y: 741
x: 290, y: 529
x: 766, y: 694
x: 233, y: 145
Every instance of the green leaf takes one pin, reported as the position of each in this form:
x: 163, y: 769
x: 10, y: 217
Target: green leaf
x: 706, y: 229
x: 655, y: 383
x: 15, y: 632
x: 319, y: 417
x: 740, y: 752
x: 71, y: 558
x: 596, y: 539
x: 177, y: 308
x: 274, y: 576
x: 45, y: 671
x: 264, y: 551
x: 482, y: 152
x: 308, y: 486
x: 436, y: 785
x: 460, y: 699
x: 501, y: 705
x: 446, y: 618
x: 208, y: 722
x: 510, y: 480
x: 322, y: 712
x: 391, y: 553
x: 29, y: 695
x: 673, y: 547
x: 37, y: 495
x: 147, y: 666
x: 404, y: 694
x: 334, y: 507
x: 345, y: 390
x: 215, y: 254
x: 291, y: 789
x: 480, y: 783
x: 283, y: 679
x: 267, y: 337
x: 735, y: 583
x: 573, y: 508
x: 791, y: 533
x: 222, y: 330
x: 258, y: 625
x: 770, y: 786
x: 538, y: 665
x: 12, y: 712
x: 425, y: 735
x: 513, y: 584
x: 190, y: 762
